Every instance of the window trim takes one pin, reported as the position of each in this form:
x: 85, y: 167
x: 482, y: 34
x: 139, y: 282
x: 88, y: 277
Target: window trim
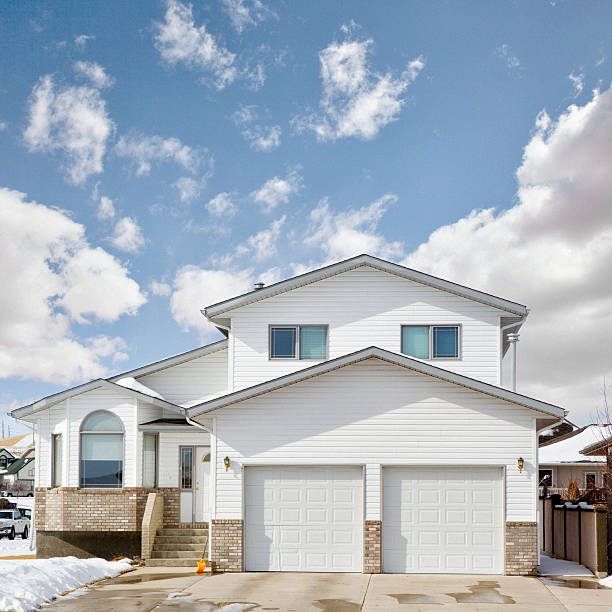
x: 54, y: 474
x: 431, y: 326
x: 122, y: 433
x: 156, y: 466
x: 297, y: 327
x: 586, y: 474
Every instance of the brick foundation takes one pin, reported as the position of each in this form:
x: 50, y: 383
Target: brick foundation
x: 521, y: 549
x: 371, y: 547
x: 226, y: 544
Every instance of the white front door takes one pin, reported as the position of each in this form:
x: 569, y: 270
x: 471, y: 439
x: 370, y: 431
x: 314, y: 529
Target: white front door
x: 304, y: 519
x: 443, y: 520
x: 194, y: 474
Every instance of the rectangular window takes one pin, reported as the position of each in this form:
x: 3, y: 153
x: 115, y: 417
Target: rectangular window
x: 545, y: 478
x: 298, y: 342
x: 149, y: 461
x: 589, y: 480
x: 430, y: 341
x: 57, y: 460
x: 186, y: 467
x: 101, y: 460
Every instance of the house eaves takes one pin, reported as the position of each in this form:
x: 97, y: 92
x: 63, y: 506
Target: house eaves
x: 214, y: 311
x: 172, y: 361
x: 56, y: 398
x: 17, y: 465
x: 597, y: 448
x: 393, y: 358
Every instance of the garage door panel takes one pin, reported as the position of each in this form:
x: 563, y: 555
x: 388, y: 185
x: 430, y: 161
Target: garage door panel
x: 463, y: 534
x: 308, y: 519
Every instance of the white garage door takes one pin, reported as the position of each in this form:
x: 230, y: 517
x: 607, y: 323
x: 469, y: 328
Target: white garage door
x: 304, y: 519
x: 443, y: 520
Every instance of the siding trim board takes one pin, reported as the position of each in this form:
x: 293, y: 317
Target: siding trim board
x: 378, y: 353
x: 214, y: 310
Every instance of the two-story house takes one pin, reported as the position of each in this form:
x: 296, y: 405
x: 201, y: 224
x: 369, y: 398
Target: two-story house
x: 353, y: 419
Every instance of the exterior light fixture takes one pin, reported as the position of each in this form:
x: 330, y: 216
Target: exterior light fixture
x: 226, y: 463
x: 520, y: 463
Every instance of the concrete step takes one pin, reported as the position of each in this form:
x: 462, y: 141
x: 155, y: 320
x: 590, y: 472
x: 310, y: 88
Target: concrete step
x: 181, y: 539
x: 179, y: 546
x: 175, y: 554
x: 192, y: 562
x: 183, y: 532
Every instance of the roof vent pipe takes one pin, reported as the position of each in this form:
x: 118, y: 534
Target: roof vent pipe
x: 258, y: 286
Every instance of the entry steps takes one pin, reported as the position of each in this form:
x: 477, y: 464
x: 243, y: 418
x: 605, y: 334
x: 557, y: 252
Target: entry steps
x: 178, y: 547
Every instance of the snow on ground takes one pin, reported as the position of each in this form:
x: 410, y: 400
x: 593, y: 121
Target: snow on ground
x: 549, y: 566
x: 27, y: 583
x: 13, y: 548
x: 607, y: 582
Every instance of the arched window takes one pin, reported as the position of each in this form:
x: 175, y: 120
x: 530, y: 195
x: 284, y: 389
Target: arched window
x: 102, y: 451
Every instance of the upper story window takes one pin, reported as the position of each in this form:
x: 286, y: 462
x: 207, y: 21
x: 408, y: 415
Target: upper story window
x: 431, y: 341
x: 102, y: 451
x: 298, y: 342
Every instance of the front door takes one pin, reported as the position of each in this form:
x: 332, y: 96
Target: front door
x: 194, y: 473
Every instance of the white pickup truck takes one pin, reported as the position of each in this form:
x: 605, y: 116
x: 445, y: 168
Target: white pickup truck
x: 13, y: 523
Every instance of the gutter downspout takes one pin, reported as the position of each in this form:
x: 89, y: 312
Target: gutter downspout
x: 501, y: 351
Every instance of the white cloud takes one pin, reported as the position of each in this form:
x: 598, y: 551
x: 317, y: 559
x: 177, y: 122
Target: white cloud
x: 3, y: 126
x: 222, y: 205
x: 180, y: 41
x: 262, y: 245
x: 504, y: 51
x: 72, y: 121
x: 95, y: 73
x: 357, y: 101
x: 159, y: 288
x: 553, y: 252
x: 277, y: 191
x: 577, y: 81
x: 347, y: 233
x: 260, y: 137
x: 81, y: 40
x: 61, y: 282
x: 195, y: 287
x: 245, y: 13
x: 106, y: 208
x: 147, y: 150
x: 128, y: 235
x: 189, y: 188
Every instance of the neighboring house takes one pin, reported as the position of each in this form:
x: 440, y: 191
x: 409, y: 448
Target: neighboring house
x: 352, y: 420
x: 12, y: 476
x: 562, y: 459
x: 18, y: 477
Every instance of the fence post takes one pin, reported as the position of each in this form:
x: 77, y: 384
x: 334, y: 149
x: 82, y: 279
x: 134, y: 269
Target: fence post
x: 579, y: 533
x: 564, y: 531
x: 543, y: 519
x: 555, y: 500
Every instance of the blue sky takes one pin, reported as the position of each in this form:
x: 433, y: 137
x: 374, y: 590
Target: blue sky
x: 177, y: 152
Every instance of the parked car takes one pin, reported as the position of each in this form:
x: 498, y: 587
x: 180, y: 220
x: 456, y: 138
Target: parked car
x: 12, y: 522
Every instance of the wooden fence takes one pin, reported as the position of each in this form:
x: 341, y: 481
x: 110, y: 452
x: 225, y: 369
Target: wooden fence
x: 576, y: 532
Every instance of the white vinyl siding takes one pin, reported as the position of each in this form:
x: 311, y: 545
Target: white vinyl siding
x: 363, y: 307
x: 190, y: 382
x: 374, y: 413
x: 168, y: 453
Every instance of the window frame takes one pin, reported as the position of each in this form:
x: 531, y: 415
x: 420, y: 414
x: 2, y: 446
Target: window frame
x: 297, y: 327
x: 54, y: 474
x: 431, y: 327
x: 122, y: 433
x: 552, y: 475
x: 586, y: 475
x: 156, y: 466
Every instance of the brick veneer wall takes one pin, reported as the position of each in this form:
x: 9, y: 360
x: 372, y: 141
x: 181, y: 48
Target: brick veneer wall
x: 521, y: 549
x: 371, y: 547
x: 171, y: 506
x: 226, y: 544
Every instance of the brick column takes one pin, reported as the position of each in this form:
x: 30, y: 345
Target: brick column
x: 371, y: 547
x: 226, y: 544
x: 521, y: 549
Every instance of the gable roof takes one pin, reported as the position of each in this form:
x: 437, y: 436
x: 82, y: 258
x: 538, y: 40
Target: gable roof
x: 17, y: 465
x: 56, y: 398
x: 13, y: 442
x: 169, y: 362
x: 214, y: 311
x: 375, y: 352
x: 568, y: 448
x: 600, y: 447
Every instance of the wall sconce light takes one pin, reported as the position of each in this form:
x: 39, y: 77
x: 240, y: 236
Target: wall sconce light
x: 521, y: 464
x: 226, y: 463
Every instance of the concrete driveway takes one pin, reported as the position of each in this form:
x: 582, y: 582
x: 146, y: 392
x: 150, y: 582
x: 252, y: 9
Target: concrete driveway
x: 175, y: 589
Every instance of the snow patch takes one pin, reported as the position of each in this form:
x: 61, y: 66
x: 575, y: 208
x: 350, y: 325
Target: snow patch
x: 28, y: 583
x: 14, y: 548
